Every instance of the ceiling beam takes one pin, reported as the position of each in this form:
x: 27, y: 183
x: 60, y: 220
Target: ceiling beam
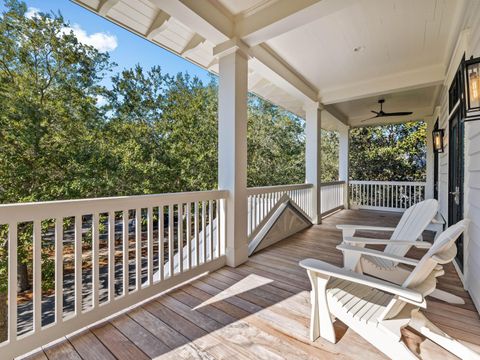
x: 283, y: 16
x: 105, y: 5
x: 159, y: 24
x: 266, y: 63
x: 202, y: 17
x: 408, y: 80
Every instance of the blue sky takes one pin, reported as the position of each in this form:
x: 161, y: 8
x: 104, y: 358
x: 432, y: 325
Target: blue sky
x: 125, y: 48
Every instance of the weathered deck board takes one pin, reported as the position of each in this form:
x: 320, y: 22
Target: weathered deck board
x: 259, y: 310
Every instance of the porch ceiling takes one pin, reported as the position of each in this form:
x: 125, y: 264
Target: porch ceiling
x: 303, y: 51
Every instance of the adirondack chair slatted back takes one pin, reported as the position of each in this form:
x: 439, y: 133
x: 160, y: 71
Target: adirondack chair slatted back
x: 442, y: 252
x: 412, y: 224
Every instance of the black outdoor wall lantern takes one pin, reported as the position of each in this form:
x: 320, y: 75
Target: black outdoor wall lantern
x: 472, y: 69
x: 438, y: 140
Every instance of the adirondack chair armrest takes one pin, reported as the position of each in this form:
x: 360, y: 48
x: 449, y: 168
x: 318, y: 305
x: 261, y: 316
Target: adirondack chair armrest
x: 376, y: 253
x: 364, y: 227
x: 366, y: 241
x: 327, y: 269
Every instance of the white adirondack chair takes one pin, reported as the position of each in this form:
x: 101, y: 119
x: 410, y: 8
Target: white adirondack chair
x: 378, y: 310
x: 406, y: 234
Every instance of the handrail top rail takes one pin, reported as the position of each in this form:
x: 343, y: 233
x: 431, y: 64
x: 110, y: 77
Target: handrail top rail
x: 18, y: 212
x: 330, y: 183
x: 373, y: 182
x: 276, y: 188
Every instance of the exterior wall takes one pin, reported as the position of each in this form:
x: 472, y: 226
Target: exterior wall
x: 468, y: 43
x: 472, y: 174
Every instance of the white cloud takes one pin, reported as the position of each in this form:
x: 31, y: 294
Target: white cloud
x: 31, y: 12
x: 101, y: 41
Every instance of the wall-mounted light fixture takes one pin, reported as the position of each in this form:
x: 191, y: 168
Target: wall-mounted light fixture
x: 438, y: 140
x: 472, y: 69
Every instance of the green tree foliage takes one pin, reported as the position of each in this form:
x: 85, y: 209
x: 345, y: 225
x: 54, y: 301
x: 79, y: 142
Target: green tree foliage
x: 156, y: 133
x: 276, y: 145
x: 48, y: 118
x: 329, y: 148
x: 389, y: 152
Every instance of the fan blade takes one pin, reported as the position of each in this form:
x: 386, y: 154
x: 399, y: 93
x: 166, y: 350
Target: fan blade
x: 401, y: 113
x: 375, y: 112
x: 373, y: 117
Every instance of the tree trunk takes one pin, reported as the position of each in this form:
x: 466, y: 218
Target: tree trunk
x: 3, y: 316
x: 23, y: 283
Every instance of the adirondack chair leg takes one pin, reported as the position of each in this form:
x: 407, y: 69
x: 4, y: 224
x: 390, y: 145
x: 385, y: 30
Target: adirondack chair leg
x: 447, y: 297
x: 424, y: 326
x: 321, y: 323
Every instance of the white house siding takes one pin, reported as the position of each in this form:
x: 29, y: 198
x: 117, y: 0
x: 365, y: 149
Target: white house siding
x: 470, y: 45
x: 472, y: 172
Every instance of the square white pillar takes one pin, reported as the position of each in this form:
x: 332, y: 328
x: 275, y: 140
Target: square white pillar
x: 313, y: 157
x: 232, y: 151
x: 343, y: 162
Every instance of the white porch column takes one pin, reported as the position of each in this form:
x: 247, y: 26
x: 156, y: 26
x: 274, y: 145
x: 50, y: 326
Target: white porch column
x: 232, y: 149
x: 343, y: 162
x: 430, y: 159
x: 313, y: 157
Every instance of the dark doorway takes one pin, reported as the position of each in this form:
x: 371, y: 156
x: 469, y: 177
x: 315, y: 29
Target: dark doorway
x: 456, y: 157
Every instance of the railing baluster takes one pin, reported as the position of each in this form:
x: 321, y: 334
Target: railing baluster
x: 37, y: 275
x: 150, y: 246
x: 180, y: 237
x: 210, y: 224
x: 111, y: 256
x: 217, y: 217
x: 78, y: 265
x: 138, y: 248
x: 161, y: 241
x: 58, y: 270
x: 12, y: 281
x: 125, y: 253
x: 249, y: 214
x: 204, y: 230
x: 171, y: 230
x: 189, y: 234
x: 95, y: 261
x: 197, y: 235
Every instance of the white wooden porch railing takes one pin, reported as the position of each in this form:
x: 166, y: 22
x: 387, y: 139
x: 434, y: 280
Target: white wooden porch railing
x: 385, y: 195
x: 261, y: 200
x: 109, y: 254
x: 332, y: 196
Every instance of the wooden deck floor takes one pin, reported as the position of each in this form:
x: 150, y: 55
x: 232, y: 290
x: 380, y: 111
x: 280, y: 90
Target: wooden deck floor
x: 259, y: 310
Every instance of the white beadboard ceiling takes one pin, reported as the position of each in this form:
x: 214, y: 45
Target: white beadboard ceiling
x: 403, y: 46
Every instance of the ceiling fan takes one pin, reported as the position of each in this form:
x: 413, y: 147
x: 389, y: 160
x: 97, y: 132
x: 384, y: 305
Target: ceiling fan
x: 381, y: 113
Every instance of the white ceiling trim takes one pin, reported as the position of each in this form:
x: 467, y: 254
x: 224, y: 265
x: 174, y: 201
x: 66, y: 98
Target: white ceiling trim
x: 283, y: 16
x: 408, y: 80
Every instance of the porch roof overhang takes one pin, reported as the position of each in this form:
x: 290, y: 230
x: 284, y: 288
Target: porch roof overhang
x: 344, y: 55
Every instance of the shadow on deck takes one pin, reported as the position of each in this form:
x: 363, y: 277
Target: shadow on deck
x: 259, y: 310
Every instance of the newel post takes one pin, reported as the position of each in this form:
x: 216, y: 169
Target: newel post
x: 313, y: 171
x: 232, y: 147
